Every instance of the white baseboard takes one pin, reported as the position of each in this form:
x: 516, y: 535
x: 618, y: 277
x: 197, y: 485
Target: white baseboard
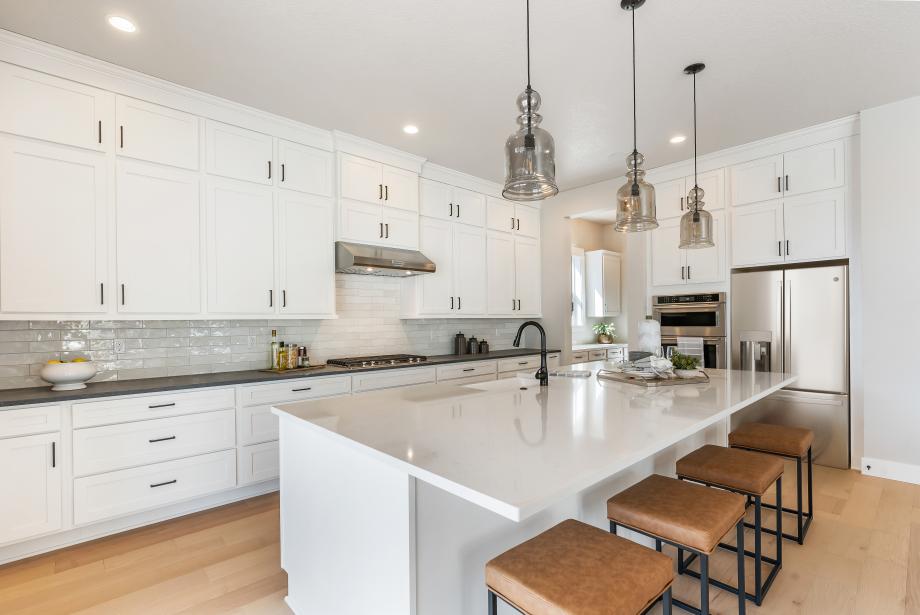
x: 894, y: 470
x: 66, y: 538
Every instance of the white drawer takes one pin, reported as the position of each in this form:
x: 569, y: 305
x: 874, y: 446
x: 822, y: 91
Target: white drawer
x: 28, y: 421
x: 294, y: 390
x: 580, y: 357
x: 616, y: 354
x: 385, y: 379
x: 123, y: 492
x: 465, y: 370
x: 519, y: 363
x: 113, y: 447
x: 472, y: 379
x: 259, y: 462
x: 553, y: 360
x: 123, y: 410
x: 597, y: 355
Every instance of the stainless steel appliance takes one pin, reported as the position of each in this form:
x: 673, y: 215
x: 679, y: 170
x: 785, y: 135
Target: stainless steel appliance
x: 378, y: 360
x: 378, y: 260
x: 698, y: 315
x: 796, y: 320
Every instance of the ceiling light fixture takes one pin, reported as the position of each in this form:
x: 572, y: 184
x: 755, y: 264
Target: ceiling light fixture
x: 530, y: 153
x: 696, y: 224
x: 410, y: 129
x: 635, y: 198
x: 122, y: 23
x: 678, y: 139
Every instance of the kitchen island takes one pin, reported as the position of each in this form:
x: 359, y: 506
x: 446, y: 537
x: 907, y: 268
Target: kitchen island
x: 392, y: 501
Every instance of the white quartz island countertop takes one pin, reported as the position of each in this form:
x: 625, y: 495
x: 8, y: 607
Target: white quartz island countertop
x: 515, y: 448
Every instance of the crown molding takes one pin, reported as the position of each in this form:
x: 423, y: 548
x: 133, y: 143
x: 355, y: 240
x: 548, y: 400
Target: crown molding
x: 436, y: 172
x: 365, y: 148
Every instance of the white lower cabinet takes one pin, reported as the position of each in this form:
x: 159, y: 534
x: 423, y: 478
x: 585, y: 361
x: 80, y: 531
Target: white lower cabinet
x: 579, y: 356
x: 390, y: 378
x: 460, y: 371
x: 114, y: 494
x: 31, y: 486
x: 258, y: 463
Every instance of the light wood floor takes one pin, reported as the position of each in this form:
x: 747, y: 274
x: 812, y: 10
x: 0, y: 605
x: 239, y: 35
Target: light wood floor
x: 861, y: 557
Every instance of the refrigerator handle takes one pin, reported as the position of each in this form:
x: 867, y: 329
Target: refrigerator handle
x: 787, y: 328
x: 779, y: 350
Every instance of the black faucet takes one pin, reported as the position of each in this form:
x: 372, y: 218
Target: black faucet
x: 542, y: 374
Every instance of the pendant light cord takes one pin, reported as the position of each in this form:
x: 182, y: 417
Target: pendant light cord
x: 528, y: 49
x: 696, y: 183
x: 635, y: 185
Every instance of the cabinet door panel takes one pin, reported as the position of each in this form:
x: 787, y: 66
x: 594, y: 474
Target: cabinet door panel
x: 757, y: 234
x: 360, y: 222
x: 815, y: 225
x: 500, y: 261
x: 158, y: 239
x: 31, y: 486
x: 239, y: 153
x: 400, y: 188
x: 360, y: 179
x: 305, y: 169
x: 307, y: 257
x: 755, y: 181
x: 670, y: 198
x: 713, y: 185
x: 818, y: 167
x: 528, y: 221
x: 500, y: 215
x: 400, y: 228
x: 667, y: 259
x: 157, y: 134
x: 611, y: 285
x: 470, y: 268
x: 437, y: 289
x: 53, y: 231
x: 435, y: 200
x: 469, y: 207
x: 527, y: 275
x: 241, y: 261
x: 708, y: 264
x: 37, y: 105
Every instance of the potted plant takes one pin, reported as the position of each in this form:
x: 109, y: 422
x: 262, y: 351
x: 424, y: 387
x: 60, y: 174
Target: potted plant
x: 685, y: 366
x: 604, y: 331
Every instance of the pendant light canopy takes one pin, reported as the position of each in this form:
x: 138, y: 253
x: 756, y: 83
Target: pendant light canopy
x: 636, y: 198
x: 696, y: 224
x: 530, y: 153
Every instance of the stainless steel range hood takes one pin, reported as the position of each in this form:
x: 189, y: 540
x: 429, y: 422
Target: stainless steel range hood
x: 377, y: 260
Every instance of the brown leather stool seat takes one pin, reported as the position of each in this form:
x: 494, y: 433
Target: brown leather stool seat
x: 777, y: 439
x: 577, y: 569
x: 736, y: 469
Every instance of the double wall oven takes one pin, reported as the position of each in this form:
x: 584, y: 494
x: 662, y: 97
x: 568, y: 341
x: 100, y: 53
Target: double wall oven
x: 699, y: 315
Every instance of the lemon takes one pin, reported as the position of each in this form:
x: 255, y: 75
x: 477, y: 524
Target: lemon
x: 53, y: 362
x: 79, y: 360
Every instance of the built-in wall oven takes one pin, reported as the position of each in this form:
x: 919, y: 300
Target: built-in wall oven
x: 699, y: 315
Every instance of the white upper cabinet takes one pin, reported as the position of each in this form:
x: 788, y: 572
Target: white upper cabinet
x: 31, y: 484
x: 400, y: 188
x: 400, y: 228
x: 436, y: 290
x: 157, y: 239
x: 53, y: 229
x: 360, y: 222
x: 37, y: 105
x: 707, y: 265
x: 500, y: 215
x: 528, y: 220
x: 757, y: 234
x: 469, y: 206
x: 527, y: 281
x: 669, y: 198
x: 306, y: 257
x: 241, y: 254
x: 156, y: 134
x: 469, y: 245
x: 603, y: 283
x: 500, y: 259
x: 666, y: 258
x: 814, y: 168
x: 369, y: 181
x: 239, y: 153
x: 439, y: 200
x: 755, y: 181
x: 814, y: 225
x: 305, y: 169
x: 713, y: 185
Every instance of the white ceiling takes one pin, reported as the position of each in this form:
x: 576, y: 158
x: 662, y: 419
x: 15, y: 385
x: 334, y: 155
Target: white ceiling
x: 455, y: 68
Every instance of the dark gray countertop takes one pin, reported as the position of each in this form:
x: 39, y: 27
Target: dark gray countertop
x: 44, y: 395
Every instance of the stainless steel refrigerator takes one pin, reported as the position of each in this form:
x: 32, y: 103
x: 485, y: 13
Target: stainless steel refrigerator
x: 796, y: 320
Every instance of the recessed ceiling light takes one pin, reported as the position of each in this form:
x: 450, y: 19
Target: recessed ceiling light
x: 121, y: 23
x: 410, y: 129
x: 678, y: 139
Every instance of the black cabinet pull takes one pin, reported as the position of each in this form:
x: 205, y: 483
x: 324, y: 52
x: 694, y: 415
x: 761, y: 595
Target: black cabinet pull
x: 284, y: 298
x: 387, y: 226
x: 519, y: 224
x: 380, y: 191
x: 458, y: 210
x: 787, y: 183
x: 779, y: 185
x: 458, y: 303
x: 301, y: 389
x: 681, y: 203
x: 688, y: 273
x: 779, y: 248
x: 122, y: 294
x: 381, y: 229
x: 522, y: 362
x: 386, y: 193
x: 282, y: 171
x: 469, y: 369
x: 519, y: 305
x: 102, y: 293
x: 451, y: 210
x: 100, y: 131
x: 787, y: 247
x: 162, y: 439
x: 169, y: 482
x: 682, y: 273
x: 513, y: 304
x: 169, y: 405
x: 271, y: 298
x: 53, y: 454
x: 269, y: 169
x: 121, y: 136
x: 451, y: 303
x: 512, y: 224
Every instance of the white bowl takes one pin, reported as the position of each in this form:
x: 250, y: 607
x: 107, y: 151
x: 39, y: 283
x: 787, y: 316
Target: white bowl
x: 68, y: 376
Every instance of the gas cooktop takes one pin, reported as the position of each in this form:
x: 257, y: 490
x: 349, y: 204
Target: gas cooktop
x: 378, y: 361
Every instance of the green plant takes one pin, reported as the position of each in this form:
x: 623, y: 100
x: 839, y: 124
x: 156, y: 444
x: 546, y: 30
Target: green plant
x: 683, y: 361
x: 604, y: 328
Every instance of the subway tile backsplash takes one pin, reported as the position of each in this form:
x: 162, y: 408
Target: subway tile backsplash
x: 368, y: 323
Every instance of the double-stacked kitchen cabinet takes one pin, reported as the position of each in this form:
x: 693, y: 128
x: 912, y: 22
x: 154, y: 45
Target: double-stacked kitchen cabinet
x: 789, y: 207
x: 513, y: 258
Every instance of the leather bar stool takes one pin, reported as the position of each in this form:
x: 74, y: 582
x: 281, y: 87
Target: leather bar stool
x: 791, y: 443
x: 751, y: 475
x: 687, y: 516
x: 577, y: 569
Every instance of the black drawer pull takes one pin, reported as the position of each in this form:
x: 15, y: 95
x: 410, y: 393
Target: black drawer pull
x: 169, y: 482
x: 302, y: 389
x: 161, y: 439
x: 523, y: 362
x: 169, y: 405
x: 470, y: 369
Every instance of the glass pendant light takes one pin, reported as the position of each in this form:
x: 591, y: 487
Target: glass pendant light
x: 696, y: 224
x: 530, y: 153
x: 635, y: 198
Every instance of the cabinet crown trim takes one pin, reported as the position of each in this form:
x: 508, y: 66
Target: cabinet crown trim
x: 458, y: 179
x: 365, y: 148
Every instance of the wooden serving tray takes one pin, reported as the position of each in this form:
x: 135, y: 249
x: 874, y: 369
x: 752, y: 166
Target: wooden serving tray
x: 294, y: 370
x: 650, y: 382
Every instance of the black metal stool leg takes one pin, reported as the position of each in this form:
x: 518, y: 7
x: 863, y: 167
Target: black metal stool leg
x: 666, y: 602
x: 779, y: 522
x: 493, y: 603
x: 680, y: 561
x: 613, y: 528
x: 704, y: 584
x: 810, y: 494
x: 742, y: 595
x: 658, y: 545
x: 758, y: 588
x: 800, y: 511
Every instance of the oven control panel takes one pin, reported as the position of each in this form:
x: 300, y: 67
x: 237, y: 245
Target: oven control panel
x: 689, y: 299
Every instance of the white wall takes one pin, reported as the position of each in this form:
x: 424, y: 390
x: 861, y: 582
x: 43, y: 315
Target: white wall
x: 890, y: 227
